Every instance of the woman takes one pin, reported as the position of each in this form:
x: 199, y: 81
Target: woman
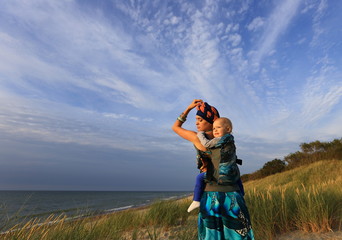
x: 223, y: 212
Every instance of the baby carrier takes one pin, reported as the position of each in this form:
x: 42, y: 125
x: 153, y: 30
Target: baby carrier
x: 222, y: 168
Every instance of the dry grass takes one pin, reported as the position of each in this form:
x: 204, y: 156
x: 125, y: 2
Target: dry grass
x: 306, y: 199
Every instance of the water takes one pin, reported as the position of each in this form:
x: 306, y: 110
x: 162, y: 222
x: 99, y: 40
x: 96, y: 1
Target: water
x: 21, y: 206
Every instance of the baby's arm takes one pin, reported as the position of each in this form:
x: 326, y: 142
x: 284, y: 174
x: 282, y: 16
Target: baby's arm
x: 205, y: 141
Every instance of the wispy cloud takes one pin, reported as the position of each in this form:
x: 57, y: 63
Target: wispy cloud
x: 201, y: 56
x: 317, y: 28
x: 275, y: 25
x: 256, y: 24
x: 323, y: 90
x: 54, y: 122
x: 126, y: 117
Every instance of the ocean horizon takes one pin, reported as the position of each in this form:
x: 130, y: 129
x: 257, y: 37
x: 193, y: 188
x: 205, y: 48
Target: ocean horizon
x: 19, y: 207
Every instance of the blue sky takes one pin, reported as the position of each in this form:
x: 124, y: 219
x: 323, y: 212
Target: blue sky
x: 89, y: 90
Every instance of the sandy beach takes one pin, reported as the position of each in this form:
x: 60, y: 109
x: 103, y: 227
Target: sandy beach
x: 298, y: 235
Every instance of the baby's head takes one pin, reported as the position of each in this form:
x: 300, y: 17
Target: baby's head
x: 222, y: 126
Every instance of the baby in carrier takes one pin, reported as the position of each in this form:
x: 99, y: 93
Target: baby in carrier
x: 223, y: 145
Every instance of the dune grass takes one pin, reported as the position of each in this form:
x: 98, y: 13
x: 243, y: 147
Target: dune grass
x: 307, y: 198
x: 161, y: 219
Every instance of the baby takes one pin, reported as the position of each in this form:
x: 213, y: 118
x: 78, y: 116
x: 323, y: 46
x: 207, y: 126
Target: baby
x: 222, y: 129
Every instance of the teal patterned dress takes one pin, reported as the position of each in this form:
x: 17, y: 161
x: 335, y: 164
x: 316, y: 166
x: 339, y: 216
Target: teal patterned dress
x: 223, y: 216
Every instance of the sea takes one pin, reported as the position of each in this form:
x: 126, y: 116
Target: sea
x: 19, y: 207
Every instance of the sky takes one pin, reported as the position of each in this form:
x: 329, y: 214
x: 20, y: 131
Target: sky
x: 89, y: 89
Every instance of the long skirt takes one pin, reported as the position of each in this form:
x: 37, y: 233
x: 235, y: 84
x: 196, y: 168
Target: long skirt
x: 223, y: 216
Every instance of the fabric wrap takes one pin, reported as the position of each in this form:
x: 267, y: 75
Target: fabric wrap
x: 223, y: 157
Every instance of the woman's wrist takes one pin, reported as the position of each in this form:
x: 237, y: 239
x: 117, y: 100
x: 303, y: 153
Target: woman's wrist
x: 185, y: 114
x: 182, y: 118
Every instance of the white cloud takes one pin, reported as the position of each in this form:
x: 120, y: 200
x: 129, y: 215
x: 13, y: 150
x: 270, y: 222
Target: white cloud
x: 174, y: 20
x: 201, y: 55
x: 80, y: 50
x: 126, y: 117
x: 275, y: 25
x: 235, y: 39
x: 319, y: 99
x: 59, y: 123
x: 209, y: 9
x: 256, y: 24
x: 317, y: 28
x: 127, y: 92
x: 301, y: 41
x: 19, y: 61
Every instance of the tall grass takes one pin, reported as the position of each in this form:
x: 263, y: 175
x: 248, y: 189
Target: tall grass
x: 150, y: 223
x: 166, y: 213
x: 306, y: 199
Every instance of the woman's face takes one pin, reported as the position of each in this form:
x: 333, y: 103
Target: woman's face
x: 203, y: 125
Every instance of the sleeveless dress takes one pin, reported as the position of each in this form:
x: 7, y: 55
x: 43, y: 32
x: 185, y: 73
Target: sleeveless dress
x: 223, y: 212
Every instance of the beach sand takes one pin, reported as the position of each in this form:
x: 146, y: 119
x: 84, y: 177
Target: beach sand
x: 298, y: 235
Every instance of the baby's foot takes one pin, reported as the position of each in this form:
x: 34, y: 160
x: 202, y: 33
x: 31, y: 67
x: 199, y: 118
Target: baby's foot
x: 193, y: 205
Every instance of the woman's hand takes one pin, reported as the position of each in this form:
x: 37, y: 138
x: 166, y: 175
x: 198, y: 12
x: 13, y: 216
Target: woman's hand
x: 195, y: 103
x: 187, y: 134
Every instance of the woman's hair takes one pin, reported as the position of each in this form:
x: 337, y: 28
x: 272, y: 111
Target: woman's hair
x: 207, y: 112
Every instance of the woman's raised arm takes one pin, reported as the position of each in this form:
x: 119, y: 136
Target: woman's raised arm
x: 177, y: 126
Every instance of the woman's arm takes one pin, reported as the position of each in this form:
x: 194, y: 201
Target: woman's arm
x: 184, y: 133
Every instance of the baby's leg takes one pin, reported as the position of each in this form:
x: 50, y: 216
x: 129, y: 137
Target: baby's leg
x: 198, y: 192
